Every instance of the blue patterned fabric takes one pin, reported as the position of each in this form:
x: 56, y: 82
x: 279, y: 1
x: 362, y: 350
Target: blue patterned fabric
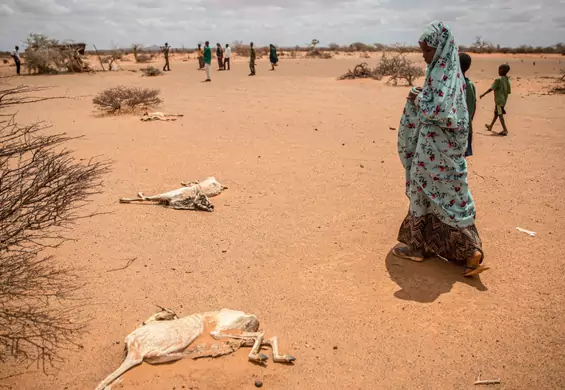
x: 433, y: 135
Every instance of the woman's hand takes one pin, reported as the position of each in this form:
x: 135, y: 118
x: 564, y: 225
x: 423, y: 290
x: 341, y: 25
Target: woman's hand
x: 413, y: 94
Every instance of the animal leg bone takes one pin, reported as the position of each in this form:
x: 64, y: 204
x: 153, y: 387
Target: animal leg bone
x: 273, y: 342
x: 166, y: 358
x: 129, y: 362
x: 248, y: 338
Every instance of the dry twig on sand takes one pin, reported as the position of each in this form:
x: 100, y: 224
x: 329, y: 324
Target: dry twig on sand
x: 480, y: 381
x: 130, y: 262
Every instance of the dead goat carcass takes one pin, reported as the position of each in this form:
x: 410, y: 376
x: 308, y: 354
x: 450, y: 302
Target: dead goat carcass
x: 165, y: 338
x: 192, y: 196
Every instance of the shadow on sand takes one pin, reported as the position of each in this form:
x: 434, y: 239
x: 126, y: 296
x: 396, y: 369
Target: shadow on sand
x: 426, y: 281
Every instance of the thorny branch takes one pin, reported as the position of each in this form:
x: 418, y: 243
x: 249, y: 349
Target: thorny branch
x: 17, y: 95
x: 43, y: 189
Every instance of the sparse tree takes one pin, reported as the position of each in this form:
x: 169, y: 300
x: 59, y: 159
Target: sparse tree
x: 313, y: 44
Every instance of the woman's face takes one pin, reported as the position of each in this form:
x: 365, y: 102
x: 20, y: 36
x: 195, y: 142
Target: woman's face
x: 428, y: 52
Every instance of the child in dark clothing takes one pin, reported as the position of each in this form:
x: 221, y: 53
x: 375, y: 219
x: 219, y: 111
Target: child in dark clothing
x: 502, y: 89
x: 471, y: 97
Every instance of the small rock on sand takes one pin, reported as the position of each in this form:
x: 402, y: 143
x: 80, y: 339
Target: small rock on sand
x: 258, y: 383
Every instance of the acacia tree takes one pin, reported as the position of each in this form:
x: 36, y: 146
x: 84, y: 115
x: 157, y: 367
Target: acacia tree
x: 42, y: 191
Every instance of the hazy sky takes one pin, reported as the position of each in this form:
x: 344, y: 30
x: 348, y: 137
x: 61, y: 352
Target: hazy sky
x: 112, y: 23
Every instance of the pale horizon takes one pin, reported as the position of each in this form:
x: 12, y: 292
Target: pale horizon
x: 111, y: 24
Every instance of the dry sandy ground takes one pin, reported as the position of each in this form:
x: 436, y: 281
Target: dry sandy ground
x: 302, y: 236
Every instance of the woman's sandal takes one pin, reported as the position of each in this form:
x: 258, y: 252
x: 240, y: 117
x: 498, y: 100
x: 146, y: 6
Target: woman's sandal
x: 488, y: 127
x: 408, y: 254
x: 474, y: 266
x: 503, y: 133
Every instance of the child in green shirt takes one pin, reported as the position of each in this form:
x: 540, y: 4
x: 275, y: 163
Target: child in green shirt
x: 502, y: 89
x: 471, y: 97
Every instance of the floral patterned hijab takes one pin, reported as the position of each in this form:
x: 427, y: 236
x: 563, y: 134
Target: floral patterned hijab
x: 442, y: 100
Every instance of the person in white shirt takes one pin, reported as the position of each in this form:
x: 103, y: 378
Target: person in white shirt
x: 227, y: 56
x: 16, y: 57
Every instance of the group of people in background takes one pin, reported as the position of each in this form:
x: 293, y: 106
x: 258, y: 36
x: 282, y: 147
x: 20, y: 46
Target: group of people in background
x: 223, y: 56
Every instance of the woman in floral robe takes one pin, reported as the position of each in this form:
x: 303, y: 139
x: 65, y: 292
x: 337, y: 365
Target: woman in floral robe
x: 432, y: 140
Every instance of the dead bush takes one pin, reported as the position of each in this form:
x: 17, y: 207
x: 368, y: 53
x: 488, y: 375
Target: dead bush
x: 139, y: 56
x: 43, y: 187
x: 317, y: 53
x: 361, y: 71
x: 397, y: 67
x: 241, y: 49
x: 143, y: 58
x: 44, y: 55
x: 122, y: 98
x: 151, y: 71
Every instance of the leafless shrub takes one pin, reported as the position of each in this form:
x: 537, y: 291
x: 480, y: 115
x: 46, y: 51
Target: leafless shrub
x: 316, y: 53
x: 116, y: 55
x: 42, y: 190
x: 361, y: 71
x: 333, y: 46
x: 359, y: 46
x: 397, y: 67
x: 122, y: 98
x: 44, y: 55
x: 240, y: 48
x: 559, y: 89
x: 143, y: 58
x: 138, y: 56
x: 151, y: 71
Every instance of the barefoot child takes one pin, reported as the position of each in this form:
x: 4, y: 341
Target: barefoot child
x: 471, y: 97
x: 501, y: 88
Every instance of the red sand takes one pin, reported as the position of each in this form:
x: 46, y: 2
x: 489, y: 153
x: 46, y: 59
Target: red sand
x: 302, y: 237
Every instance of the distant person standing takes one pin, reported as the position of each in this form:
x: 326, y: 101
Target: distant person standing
x: 273, y: 56
x: 227, y: 56
x: 166, y: 52
x: 200, y: 57
x: 16, y: 57
x: 252, y: 57
x: 220, y: 56
x: 207, y: 60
